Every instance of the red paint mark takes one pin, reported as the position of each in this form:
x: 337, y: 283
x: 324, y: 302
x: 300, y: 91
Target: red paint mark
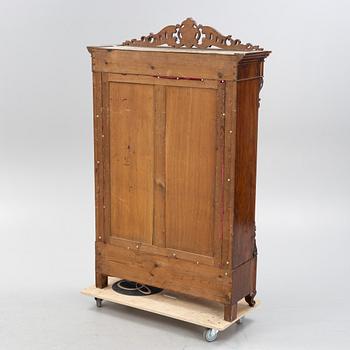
x: 176, y: 78
x: 222, y: 195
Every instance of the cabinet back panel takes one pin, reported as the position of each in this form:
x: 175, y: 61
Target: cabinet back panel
x: 131, y: 108
x: 190, y: 168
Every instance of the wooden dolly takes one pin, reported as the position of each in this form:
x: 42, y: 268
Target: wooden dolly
x: 182, y: 307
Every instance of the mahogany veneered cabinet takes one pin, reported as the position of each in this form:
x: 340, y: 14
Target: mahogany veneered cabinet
x: 175, y: 129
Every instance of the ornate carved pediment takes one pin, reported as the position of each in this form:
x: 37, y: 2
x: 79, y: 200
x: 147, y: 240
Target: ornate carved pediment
x: 190, y: 35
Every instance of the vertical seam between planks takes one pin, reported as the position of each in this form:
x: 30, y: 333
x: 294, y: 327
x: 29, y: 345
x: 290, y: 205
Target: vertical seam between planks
x: 223, y: 109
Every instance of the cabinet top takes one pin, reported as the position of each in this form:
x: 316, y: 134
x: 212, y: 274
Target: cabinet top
x: 188, y: 37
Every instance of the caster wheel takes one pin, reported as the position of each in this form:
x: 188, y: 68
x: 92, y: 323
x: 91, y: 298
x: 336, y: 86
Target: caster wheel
x: 240, y: 321
x: 98, y: 302
x: 210, y: 334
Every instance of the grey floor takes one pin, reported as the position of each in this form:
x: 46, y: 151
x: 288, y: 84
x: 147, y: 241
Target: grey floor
x: 303, y: 284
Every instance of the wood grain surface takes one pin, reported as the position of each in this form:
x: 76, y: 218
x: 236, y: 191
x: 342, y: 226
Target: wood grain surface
x: 190, y: 169
x: 131, y: 160
x: 175, y: 170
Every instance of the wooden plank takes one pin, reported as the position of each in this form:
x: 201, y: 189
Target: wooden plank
x: 164, y: 64
x: 100, y: 279
x: 169, y: 252
x: 185, y: 308
x: 98, y: 155
x: 131, y: 160
x: 159, y: 167
x: 252, y: 55
x: 229, y: 171
x: 163, y: 80
x: 219, y: 173
x: 165, y: 272
x: 105, y: 140
x: 194, y: 51
x: 190, y: 169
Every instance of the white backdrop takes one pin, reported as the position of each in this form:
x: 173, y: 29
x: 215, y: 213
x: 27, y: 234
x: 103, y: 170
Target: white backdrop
x: 46, y: 177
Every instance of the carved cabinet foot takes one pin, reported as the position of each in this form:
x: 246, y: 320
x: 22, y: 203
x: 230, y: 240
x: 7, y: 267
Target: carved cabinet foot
x: 250, y: 298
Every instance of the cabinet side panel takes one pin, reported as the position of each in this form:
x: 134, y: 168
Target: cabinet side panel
x: 131, y: 161
x: 190, y: 168
x: 246, y: 157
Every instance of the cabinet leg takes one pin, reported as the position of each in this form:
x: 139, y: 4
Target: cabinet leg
x: 101, y: 280
x: 230, y: 312
x: 250, y: 298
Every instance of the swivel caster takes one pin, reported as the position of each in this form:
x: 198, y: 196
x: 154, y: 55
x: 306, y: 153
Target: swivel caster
x: 240, y: 321
x: 98, y: 302
x: 210, y: 334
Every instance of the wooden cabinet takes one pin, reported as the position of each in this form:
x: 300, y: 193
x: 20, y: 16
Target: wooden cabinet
x: 175, y: 129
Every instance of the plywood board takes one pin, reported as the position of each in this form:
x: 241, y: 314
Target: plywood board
x: 174, y: 50
x: 190, y: 169
x: 131, y: 161
x: 178, y: 306
x: 157, y: 63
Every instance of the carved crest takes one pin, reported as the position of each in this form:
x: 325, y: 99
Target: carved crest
x: 190, y: 35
